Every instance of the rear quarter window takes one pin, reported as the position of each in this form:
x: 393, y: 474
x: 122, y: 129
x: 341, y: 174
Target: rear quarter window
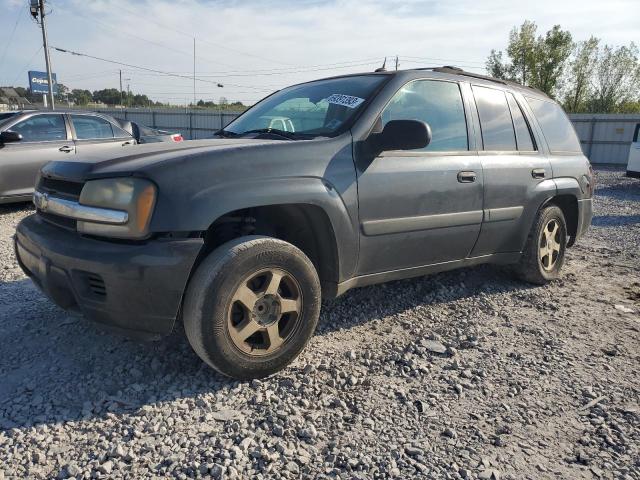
x: 556, y: 126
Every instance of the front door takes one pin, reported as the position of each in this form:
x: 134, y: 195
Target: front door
x: 421, y: 207
x: 44, y: 138
x: 96, y: 136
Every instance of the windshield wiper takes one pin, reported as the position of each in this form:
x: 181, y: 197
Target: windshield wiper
x: 272, y: 131
x: 225, y: 133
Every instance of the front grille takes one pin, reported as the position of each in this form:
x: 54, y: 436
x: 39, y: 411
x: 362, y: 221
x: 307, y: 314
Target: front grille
x: 61, y: 188
x: 58, y: 221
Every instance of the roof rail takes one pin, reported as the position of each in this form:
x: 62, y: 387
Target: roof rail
x: 458, y: 71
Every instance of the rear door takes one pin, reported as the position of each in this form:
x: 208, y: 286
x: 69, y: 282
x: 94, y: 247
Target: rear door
x: 94, y: 134
x: 517, y: 174
x: 421, y: 207
x: 45, y: 137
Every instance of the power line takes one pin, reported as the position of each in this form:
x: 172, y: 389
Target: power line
x: 26, y: 67
x: 168, y: 74
x: 15, y: 25
x: 138, y: 37
x: 300, y: 69
x: 445, y: 60
x: 217, y: 45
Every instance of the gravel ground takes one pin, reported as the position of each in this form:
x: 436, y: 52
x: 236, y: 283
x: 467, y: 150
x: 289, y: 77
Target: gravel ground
x: 467, y: 374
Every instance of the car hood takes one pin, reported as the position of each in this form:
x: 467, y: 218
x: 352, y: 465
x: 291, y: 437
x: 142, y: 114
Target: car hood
x: 142, y: 157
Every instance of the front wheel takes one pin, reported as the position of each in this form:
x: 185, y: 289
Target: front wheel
x: 252, y: 306
x: 544, y: 252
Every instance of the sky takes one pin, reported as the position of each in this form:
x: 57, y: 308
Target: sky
x: 254, y: 47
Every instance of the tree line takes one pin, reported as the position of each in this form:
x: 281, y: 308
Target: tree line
x: 585, y: 76
x: 113, y: 97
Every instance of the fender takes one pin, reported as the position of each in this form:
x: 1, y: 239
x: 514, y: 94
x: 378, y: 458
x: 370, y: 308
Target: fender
x: 540, y: 196
x: 569, y: 186
x: 201, y: 209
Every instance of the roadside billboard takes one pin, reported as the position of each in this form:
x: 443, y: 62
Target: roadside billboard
x: 39, y: 83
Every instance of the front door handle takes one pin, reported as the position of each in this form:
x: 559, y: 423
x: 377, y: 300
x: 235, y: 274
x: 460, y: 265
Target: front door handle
x: 538, y: 173
x: 467, y: 177
x: 66, y: 149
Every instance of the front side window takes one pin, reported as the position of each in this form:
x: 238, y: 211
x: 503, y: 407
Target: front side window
x: 91, y: 128
x: 42, y: 128
x: 495, y: 119
x: 556, y: 127
x: 523, y: 132
x: 320, y: 108
x: 436, y: 103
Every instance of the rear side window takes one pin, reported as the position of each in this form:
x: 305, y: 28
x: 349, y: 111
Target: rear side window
x: 91, y: 128
x: 523, y: 131
x: 495, y: 119
x: 42, y: 128
x: 437, y: 103
x: 556, y: 127
x: 636, y: 134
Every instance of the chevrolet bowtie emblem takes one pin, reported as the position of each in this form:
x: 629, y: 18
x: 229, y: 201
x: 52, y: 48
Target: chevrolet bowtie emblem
x: 41, y: 201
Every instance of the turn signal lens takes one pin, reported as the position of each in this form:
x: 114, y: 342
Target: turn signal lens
x: 146, y: 199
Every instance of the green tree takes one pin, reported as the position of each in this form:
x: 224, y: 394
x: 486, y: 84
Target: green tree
x: 80, y: 97
x: 497, y: 67
x: 551, y: 54
x: 109, y: 96
x: 581, y: 69
x: 522, y: 52
x: 616, y: 80
x: 533, y: 61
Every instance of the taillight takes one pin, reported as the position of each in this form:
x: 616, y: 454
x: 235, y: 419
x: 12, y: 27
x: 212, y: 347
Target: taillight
x: 177, y: 137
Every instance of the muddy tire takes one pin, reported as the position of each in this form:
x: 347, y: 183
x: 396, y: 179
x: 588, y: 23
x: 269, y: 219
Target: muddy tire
x: 251, y: 306
x: 544, y: 252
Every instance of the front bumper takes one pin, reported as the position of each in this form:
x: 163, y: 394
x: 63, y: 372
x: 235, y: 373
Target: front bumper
x: 136, y: 287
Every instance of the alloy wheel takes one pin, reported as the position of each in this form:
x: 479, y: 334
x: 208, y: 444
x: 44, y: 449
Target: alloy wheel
x: 549, y: 246
x: 264, y: 311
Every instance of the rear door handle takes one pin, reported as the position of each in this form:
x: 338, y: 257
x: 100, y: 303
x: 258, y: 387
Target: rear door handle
x: 467, y: 177
x: 66, y: 149
x: 128, y: 142
x: 538, y: 173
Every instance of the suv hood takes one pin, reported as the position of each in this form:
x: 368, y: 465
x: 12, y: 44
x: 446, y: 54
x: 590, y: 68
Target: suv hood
x: 140, y: 157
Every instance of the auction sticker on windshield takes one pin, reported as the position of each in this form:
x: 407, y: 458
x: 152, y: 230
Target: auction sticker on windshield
x: 345, y: 100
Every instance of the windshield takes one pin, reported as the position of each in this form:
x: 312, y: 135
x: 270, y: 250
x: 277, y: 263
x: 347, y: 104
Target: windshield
x: 313, y: 109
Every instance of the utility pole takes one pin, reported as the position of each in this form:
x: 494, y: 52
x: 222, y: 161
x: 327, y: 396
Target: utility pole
x: 121, y: 88
x: 397, y: 62
x: 194, y: 72
x: 37, y: 8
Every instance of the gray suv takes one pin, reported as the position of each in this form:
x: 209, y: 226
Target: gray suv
x: 376, y: 177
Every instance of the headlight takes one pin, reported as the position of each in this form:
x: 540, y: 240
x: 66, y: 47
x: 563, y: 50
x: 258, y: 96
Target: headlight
x: 135, y: 196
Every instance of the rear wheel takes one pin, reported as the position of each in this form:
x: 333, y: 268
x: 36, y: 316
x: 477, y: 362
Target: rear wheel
x: 252, y: 306
x: 544, y: 252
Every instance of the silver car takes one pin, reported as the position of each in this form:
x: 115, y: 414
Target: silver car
x: 29, y: 139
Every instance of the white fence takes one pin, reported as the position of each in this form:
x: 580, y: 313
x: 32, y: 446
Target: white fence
x: 605, y: 138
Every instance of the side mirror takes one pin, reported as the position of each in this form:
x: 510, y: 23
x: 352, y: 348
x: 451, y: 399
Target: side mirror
x: 404, y: 135
x: 8, y: 136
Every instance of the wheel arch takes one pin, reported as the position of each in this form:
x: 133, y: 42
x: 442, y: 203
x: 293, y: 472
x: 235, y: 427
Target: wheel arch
x: 305, y: 225
x: 568, y: 203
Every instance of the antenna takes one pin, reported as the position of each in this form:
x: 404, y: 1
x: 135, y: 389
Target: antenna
x: 383, y: 68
